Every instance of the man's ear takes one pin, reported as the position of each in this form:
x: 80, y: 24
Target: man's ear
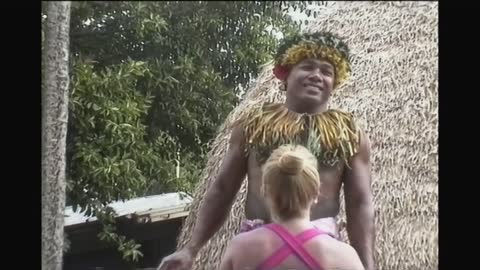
x: 283, y: 86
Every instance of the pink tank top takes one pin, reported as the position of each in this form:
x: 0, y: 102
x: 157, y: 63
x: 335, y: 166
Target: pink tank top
x: 293, y: 244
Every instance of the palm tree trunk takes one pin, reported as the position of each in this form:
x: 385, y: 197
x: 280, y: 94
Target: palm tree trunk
x: 54, y: 131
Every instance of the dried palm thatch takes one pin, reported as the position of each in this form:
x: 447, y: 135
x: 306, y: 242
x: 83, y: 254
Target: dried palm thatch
x: 393, y: 92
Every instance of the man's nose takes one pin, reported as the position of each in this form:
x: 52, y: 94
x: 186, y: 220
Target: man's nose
x: 315, y: 76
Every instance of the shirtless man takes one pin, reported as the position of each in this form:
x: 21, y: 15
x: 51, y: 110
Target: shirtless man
x: 311, y: 66
x: 291, y: 184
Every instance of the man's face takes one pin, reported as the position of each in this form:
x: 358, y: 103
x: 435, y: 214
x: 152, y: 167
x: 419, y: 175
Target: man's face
x: 311, y: 81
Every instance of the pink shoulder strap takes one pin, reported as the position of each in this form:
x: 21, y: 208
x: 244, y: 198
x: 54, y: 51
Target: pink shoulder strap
x: 282, y: 253
x: 292, y: 244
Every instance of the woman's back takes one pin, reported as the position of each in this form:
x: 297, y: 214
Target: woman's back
x: 263, y: 249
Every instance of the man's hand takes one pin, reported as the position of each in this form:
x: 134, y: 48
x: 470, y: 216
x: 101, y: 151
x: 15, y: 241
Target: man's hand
x: 180, y: 260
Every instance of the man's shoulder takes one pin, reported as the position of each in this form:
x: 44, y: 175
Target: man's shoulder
x: 350, y: 116
x: 256, y: 110
x: 263, y: 108
x: 256, y: 117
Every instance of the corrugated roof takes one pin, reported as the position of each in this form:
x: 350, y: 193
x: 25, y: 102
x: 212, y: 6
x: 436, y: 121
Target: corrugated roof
x: 150, y: 208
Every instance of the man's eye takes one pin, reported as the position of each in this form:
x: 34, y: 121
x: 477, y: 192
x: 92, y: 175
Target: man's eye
x: 328, y: 73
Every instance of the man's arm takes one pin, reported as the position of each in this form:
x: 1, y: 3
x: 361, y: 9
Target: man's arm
x: 219, y: 197
x: 359, y: 204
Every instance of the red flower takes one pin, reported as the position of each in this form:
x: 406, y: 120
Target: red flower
x: 281, y: 72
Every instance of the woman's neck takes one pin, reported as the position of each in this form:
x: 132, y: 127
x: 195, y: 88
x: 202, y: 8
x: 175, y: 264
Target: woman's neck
x: 296, y: 224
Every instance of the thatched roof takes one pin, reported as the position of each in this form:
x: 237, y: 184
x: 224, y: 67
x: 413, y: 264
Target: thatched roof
x: 393, y: 92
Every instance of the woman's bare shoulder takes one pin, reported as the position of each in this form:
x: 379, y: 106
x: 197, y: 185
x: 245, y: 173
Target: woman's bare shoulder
x: 251, y: 237
x: 345, y: 256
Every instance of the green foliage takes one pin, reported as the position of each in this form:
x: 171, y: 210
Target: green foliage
x: 200, y: 52
x: 151, y: 83
x: 109, y: 157
x: 128, y: 248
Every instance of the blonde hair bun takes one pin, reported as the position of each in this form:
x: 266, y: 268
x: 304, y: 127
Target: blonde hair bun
x: 290, y: 163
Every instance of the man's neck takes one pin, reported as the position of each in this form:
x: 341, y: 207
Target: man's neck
x: 303, y: 108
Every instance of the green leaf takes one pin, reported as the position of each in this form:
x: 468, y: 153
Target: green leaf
x: 150, y: 79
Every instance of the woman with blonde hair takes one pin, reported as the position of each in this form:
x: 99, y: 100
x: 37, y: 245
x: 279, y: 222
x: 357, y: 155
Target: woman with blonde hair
x: 291, y: 186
